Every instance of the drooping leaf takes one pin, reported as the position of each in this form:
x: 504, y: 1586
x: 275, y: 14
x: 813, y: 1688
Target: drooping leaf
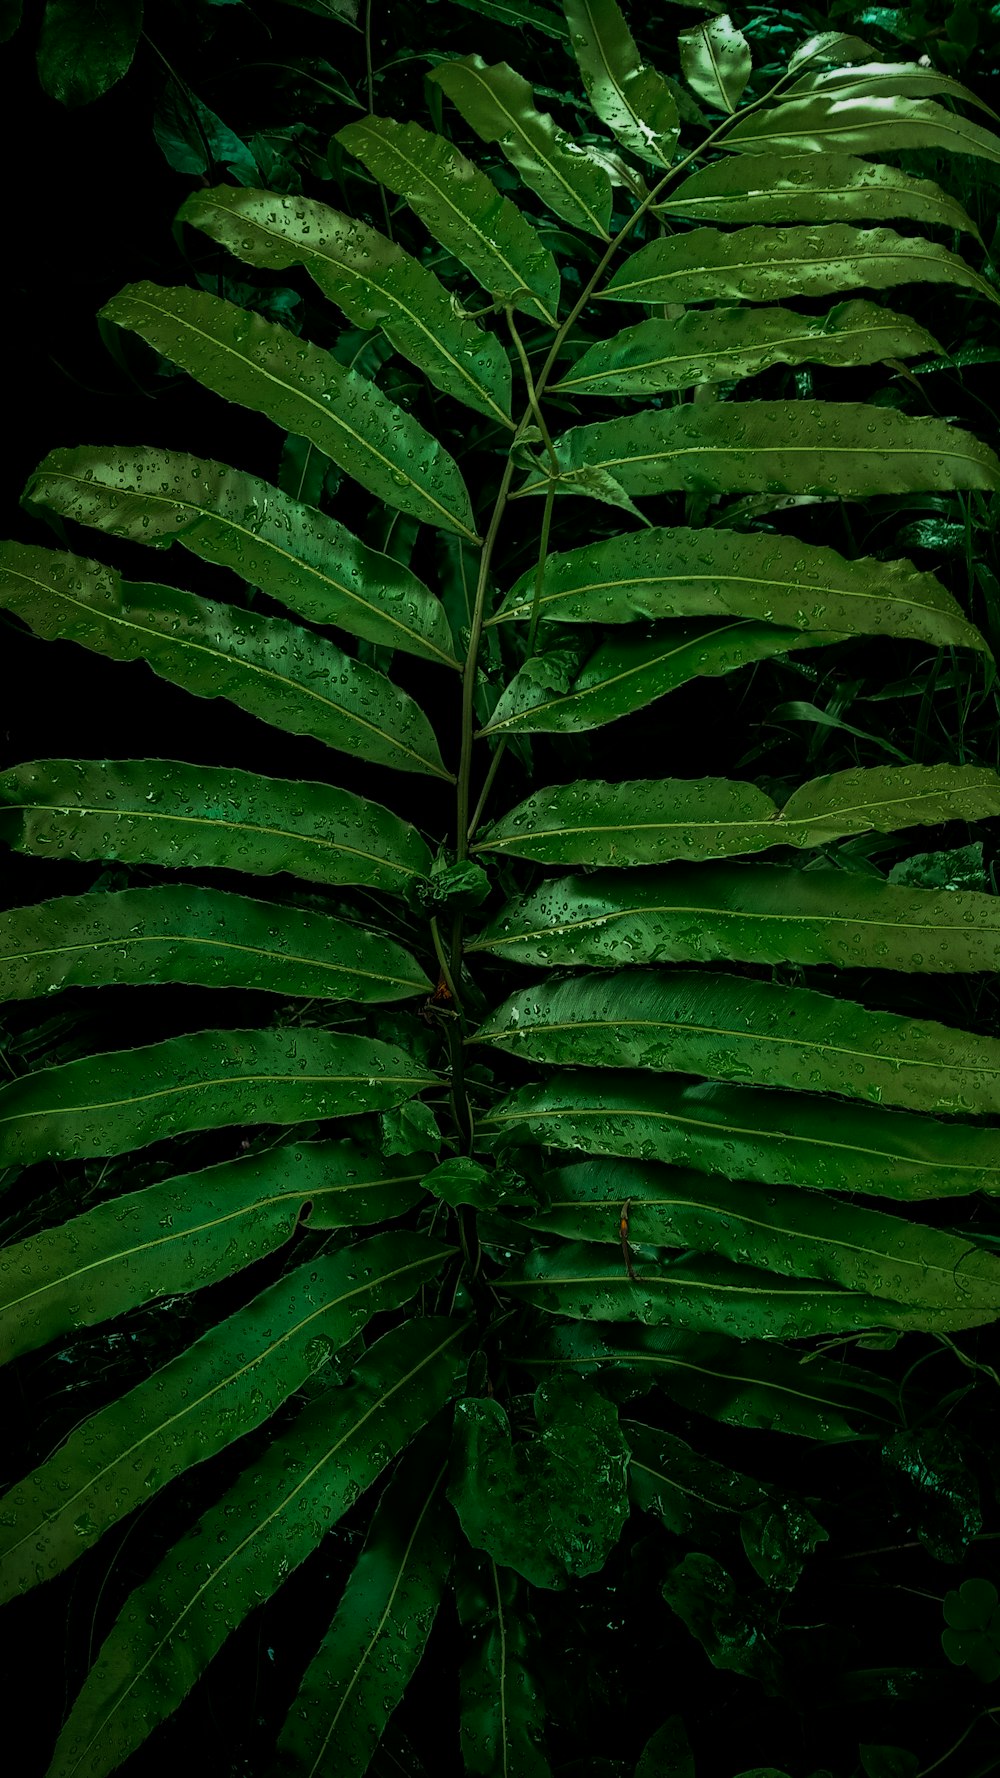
x: 301, y: 557
x: 631, y: 98
x: 723, y: 344
x: 286, y: 676
x: 371, y: 278
x: 730, y: 1028
x: 503, y: 1717
x: 812, y: 188
x: 756, y: 913
x: 778, y: 1228
x: 628, y: 672
x: 764, y: 264
x: 869, y: 125
x: 301, y: 387
x: 184, y: 933
x: 380, y: 1629
x: 676, y: 571
x: 715, y: 58
x: 805, y: 447
x: 195, y: 139
x: 207, y: 1080
x: 745, y: 1133
x: 551, y: 1507
x: 241, y: 1550
x: 651, y: 822
x: 836, y: 47
x: 500, y: 106
x: 183, y: 816
x: 232, y: 1379
x: 189, y: 1231
x: 85, y: 46
x: 462, y: 209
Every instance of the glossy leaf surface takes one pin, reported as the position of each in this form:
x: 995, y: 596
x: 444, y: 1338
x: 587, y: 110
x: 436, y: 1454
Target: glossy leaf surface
x: 631, y: 98
x: 868, y: 79
x: 715, y: 58
x: 85, y: 46
x: 811, y: 188
x: 869, y: 125
x: 299, y: 386
x: 188, y: 816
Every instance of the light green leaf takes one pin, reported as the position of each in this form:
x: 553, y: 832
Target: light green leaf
x: 627, y: 673
x: 675, y: 571
x: 500, y: 106
x: 706, y: 1295
x: 632, y: 99
x: 286, y: 676
x: 778, y: 1228
x: 745, y: 1133
x: 191, y: 1230
x: 189, y: 817
x: 239, y: 1553
x: 231, y: 1380
x: 302, y: 558
x: 730, y: 1028
x: 829, y: 46
x: 876, y: 125
x: 873, y: 79
x: 372, y: 279
x: 183, y: 933
x: 85, y: 46
x: 804, y: 447
x: 713, y: 347
x: 503, y: 1716
x: 816, y: 188
x: 378, y: 1635
x: 207, y: 1080
x: 552, y: 1506
x: 755, y: 913
x: 462, y: 209
x: 301, y: 387
x: 767, y: 264
x: 650, y: 821
x: 715, y: 58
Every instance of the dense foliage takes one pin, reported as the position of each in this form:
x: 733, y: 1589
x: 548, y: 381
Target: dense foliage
x: 500, y: 1139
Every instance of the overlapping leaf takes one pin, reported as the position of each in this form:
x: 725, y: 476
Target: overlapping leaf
x: 631, y: 98
x: 814, y: 188
x: 208, y: 1080
x: 371, y: 278
x: 502, y: 1714
x: 298, y: 555
x: 263, y: 366
x: 868, y: 125
x: 868, y: 79
x: 166, y: 812
x: 286, y: 676
x: 715, y: 58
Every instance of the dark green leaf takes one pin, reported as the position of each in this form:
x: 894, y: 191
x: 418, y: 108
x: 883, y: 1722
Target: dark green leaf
x: 631, y: 98
x: 85, y: 46
x: 814, y: 188
x: 731, y: 1629
x: 522, y: 14
x: 667, y: 1750
x: 194, y: 139
x: 503, y: 1716
x: 693, y: 1495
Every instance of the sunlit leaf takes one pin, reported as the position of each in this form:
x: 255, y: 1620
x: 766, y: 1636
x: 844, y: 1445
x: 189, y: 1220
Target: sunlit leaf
x: 715, y: 58
x: 631, y: 98
x: 870, y: 125
x: 869, y: 79
x: 814, y: 188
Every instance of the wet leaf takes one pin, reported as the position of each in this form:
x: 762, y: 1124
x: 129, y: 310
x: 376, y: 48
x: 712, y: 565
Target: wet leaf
x: 715, y: 58
x: 631, y: 98
x: 814, y: 188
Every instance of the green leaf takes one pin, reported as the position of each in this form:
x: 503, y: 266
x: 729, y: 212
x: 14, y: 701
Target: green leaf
x: 500, y: 106
x: 731, y: 1629
x: 462, y: 209
x: 241, y: 1550
x: 650, y: 822
x: 503, y: 1716
x: 301, y: 387
x: 756, y: 913
x: 694, y: 1496
x: 706, y: 1295
x: 183, y: 933
x: 191, y: 1230
x: 715, y: 58
x: 779, y: 1536
x: 231, y: 1380
x: 677, y: 571
x: 85, y: 46
x: 880, y: 1761
x: 872, y: 79
x: 284, y: 675
x: 870, y: 125
x: 667, y: 1750
x: 744, y: 1133
x: 10, y: 18
x: 207, y: 1080
x: 194, y: 139
x: 522, y: 14
x: 829, y: 46
x: 189, y: 817
x: 816, y: 188
x: 299, y: 556
x: 552, y: 1507
x: 372, y: 279
x: 730, y: 1028
x: 714, y: 347
x: 764, y: 264
x: 779, y: 1229
x: 627, y: 673
x: 631, y: 98
x: 804, y: 447
x: 385, y: 1614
